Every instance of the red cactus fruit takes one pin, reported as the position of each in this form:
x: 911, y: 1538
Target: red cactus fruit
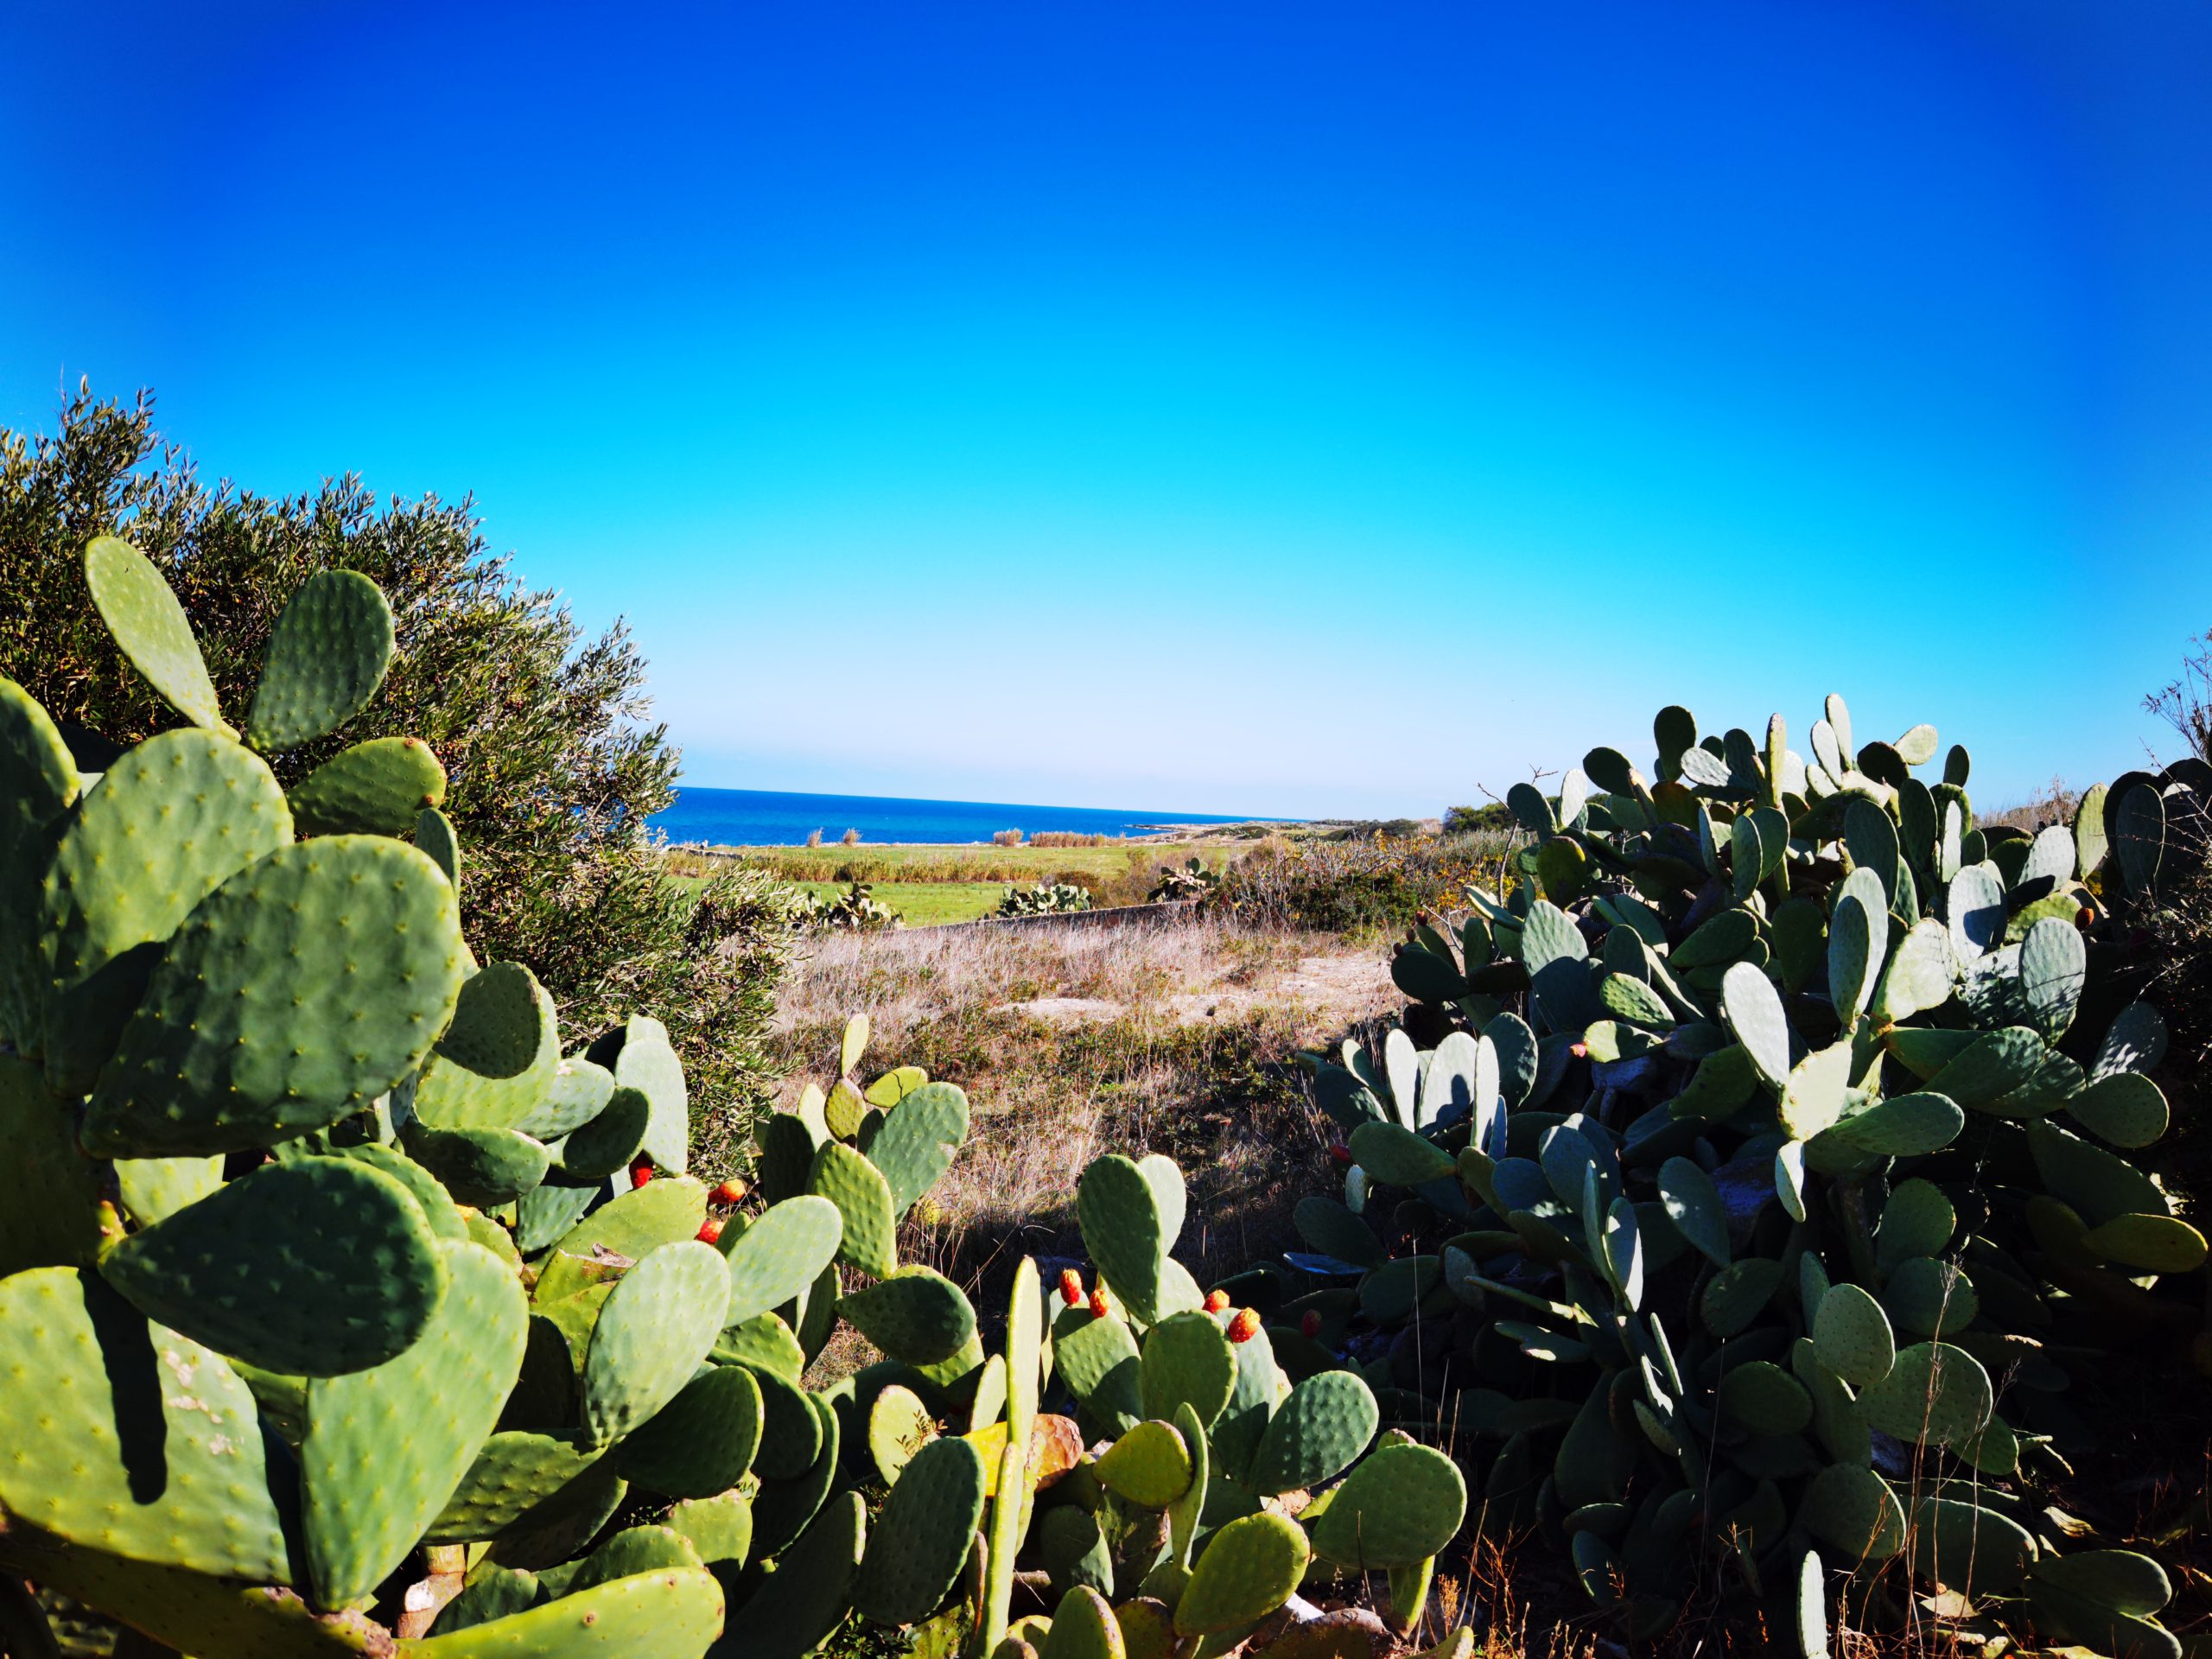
x: 710, y: 1229
x: 1098, y: 1303
x: 1340, y: 1155
x: 1216, y: 1301
x: 731, y: 1192
x: 1245, y: 1326
x: 1309, y: 1322
x: 640, y: 1174
x: 1070, y: 1287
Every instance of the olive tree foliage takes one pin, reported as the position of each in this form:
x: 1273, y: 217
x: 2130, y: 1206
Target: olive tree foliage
x: 552, y: 765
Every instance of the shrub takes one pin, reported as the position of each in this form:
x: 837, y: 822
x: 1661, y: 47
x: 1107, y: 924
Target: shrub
x: 1474, y: 820
x: 850, y: 838
x: 1781, y: 1137
x: 551, y: 768
x: 1070, y: 838
x: 814, y: 837
x: 1348, y: 886
x: 1006, y: 838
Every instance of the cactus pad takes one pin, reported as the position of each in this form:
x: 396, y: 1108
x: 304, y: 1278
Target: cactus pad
x: 719, y: 1528
x: 1398, y: 1509
x: 253, y: 1030
x: 1903, y: 1126
x: 1149, y: 1465
x: 640, y: 1222
x: 52, y: 1219
x: 376, y: 788
x: 314, y: 1267
x: 485, y: 1167
x: 1852, y: 1336
x: 1391, y: 1152
x: 498, y: 1023
x: 1761, y: 1398
x: 898, y: 1427
x: 325, y: 659
x: 1097, y: 1358
x: 922, y: 1129
x: 2148, y: 1243
x: 135, y: 1441
x: 513, y: 1472
x: 1853, y: 1511
x: 849, y: 1180
x: 450, y: 1096
x: 1324, y: 1424
x: 656, y: 1328
x: 782, y: 1253
x: 922, y: 1536
x: 364, y: 1508
x: 1753, y: 1008
x: 917, y: 1315
x: 148, y: 625
x: 673, y: 1613
x: 1968, y: 1548
x: 1187, y: 1359
x: 2123, y: 1107
x: 700, y: 1443
x: 1124, y: 1231
x: 1082, y: 1627
x: 1935, y: 1394
x: 1694, y: 1205
x: 806, y: 1597
x: 1930, y: 1297
x: 612, y: 1139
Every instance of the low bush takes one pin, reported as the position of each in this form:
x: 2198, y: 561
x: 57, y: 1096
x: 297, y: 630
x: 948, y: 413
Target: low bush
x: 1006, y: 838
x: 1044, y: 898
x: 1348, y: 886
x: 1070, y: 838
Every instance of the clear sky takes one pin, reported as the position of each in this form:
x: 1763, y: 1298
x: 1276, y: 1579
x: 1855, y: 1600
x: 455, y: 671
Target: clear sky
x: 1272, y: 408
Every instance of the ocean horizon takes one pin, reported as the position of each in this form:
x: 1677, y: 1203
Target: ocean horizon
x: 761, y: 817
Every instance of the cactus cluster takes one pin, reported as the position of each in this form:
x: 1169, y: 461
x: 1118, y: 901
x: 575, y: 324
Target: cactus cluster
x: 1189, y: 881
x: 856, y: 909
x: 352, y: 1307
x: 1043, y: 898
x: 1757, y: 1173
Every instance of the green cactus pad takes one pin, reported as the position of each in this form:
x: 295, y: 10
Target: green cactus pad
x: 1762, y: 1398
x: 1326, y: 1226
x: 2124, y: 1108
x: 38, y: 778
x: 1149, y: 1465
x: 2053, y: 962
x: 364, y: 1508
x: 1398, y: 1507
x: 922, y: 1537
x: 1098, y: 1360
x: 325, y: 661
x: 700, y: 1443
x: 922, y: 1129
x: 719, y: 1528
x: 1187, y: 1359
x: 438, y: 839
x: 498, y: 1023
x: 492, y: 1592
x: 376, y: 788
x: 1187, y: 1513
x: 451, y: 1096
x: 612, y: 1140
x: 1968, y: 1548
x: 1694, y: 1205
x: 1071, y: 1549
x: 52, y: 1219
x: 640, y: 1056
x: 1248, y: 1569
x: 1991, y: 1067
x: 764, y: 1344
x: 1918, y: 1220
x: 632, y: 1551
x: 1753, y: 1009
x: 1316, y: 1433
x: 917, y: 1315
x: 2148, y: 1243
x: 1857, y: 940
x: 1396, y: 1155
x: 1853, y: 1511
x: 656, y: 1328
x: 671, y: 1613
x: 869, y: 1234
x: 640, y: 1221
x: 1124, y: 1231
x: 782, y: 1508
x: 1903, y: 1126
x: 547, y: 1213
x: 2100, y: 1185
x: 550, y: 1533
x: 154, y: 1189
x: 1930, y: 1297
x: 136, y: 1441
x: 1082, y: 1627
x: 512, y: 1473
x: 236, y: 1044
x: 1935, y: 1394
x: 313, y: 1267
x: 782, y: 1253
x: 1735, y: 1296
x: 165, y: 826
x: 1852, y: 1336
x: 148, y: 626
x: 574, y: 1095
x: 898, y: 1427
x: 485, y: 1167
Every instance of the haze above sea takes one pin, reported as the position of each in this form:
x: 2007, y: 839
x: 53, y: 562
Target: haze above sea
x: 759, y: 817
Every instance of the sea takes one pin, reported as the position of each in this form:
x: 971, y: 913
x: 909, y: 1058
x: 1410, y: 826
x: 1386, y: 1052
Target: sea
x: 760, y: 818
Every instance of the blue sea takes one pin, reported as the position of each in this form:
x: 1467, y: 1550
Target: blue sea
x: 759, y: 817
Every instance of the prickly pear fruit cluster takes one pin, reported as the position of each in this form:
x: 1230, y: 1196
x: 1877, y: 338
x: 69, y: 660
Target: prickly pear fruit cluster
x: 1772, y: 1155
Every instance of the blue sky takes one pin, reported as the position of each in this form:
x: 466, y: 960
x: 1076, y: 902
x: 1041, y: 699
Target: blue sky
x: 1285, y: 408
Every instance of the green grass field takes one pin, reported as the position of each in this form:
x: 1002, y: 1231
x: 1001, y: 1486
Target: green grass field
x: 925, y: 904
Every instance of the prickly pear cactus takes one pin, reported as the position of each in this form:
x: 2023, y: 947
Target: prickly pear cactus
x: 1767, y: 1159
x: 356, y: 1314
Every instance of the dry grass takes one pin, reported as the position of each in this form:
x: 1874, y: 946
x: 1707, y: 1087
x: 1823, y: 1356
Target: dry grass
x: 1176, y: 1039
